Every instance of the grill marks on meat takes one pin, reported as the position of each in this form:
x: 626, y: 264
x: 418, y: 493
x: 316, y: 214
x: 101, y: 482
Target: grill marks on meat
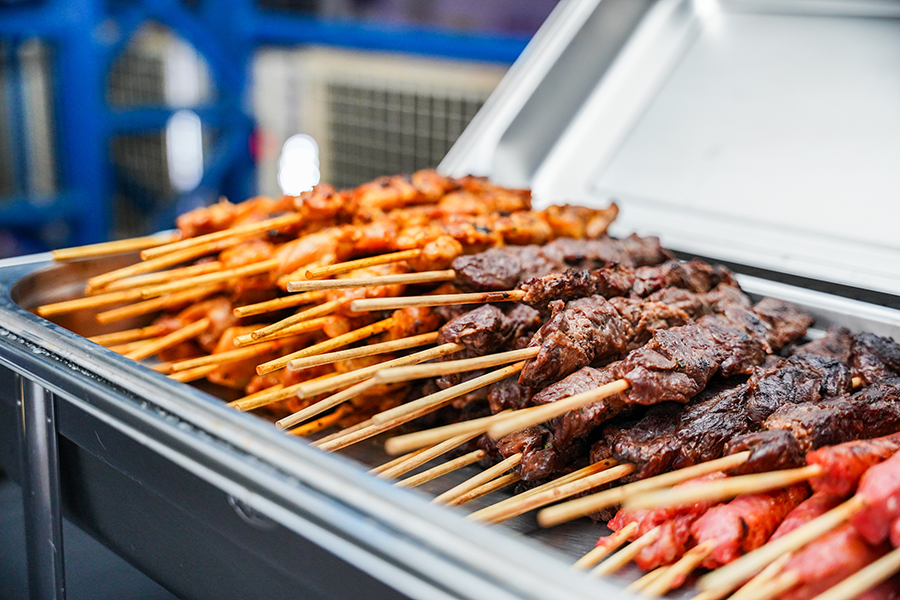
x: 875, y: 358
x: 578, y: 333
x: 769, y: 451
x: 488, y: 328
x: 632, y: 251
x: 745, y: 523
x: 837, y: 343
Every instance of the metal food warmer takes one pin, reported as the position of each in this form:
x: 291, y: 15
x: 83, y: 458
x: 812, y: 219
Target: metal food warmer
x: 762, y: 134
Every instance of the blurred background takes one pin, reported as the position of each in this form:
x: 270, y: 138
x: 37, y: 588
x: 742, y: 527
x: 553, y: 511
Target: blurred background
x: 116, y: 115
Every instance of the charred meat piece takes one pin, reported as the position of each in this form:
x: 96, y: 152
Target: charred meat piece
x: 875, y: 358
x: 837, y: 343
x: 769, y: 451
x: 488, y: 328
x: 745, y: 523
x: 871, y: 412
x: 649, y: 443
x: 786, y: 323
x: 503, y: 268
x: 578, y: 333
x: 633, y: 251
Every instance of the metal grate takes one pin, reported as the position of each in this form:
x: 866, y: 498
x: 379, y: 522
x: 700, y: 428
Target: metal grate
x: 375, y: 130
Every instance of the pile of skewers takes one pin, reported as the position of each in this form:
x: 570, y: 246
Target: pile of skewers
x: 563, y: 360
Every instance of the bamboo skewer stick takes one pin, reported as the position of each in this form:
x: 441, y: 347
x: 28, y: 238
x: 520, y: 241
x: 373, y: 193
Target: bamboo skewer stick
x: 520, y: 420
x: 117, y: 246
x: 301, y: 327
x: 221, y: 358
x: 556, y: 493
x: 485, y: 476
x: 687, y: 563
x: 398, y: 374
x: 610, y: 545
x: 156, y: 304
x: 372, y: 304
x: 397, y: 461
x: 374, y: 281
x: 486, y: 488
x: 67, y: 306
x: 638, y: 585
x: 777, y: 586
x: 411, y: 441
x: 187, y: 332
x: 864, y: 579
x: 158, y: 277
x: 722, y: 489
x: 219, y: 277
x: 131, y: 346
x: 332, y: 344
x: 749, y: 589
x: 338, y: 435
x: 362, y: 263
x: 438, y: 399
x: 230, y: 233
x: 270, y: 397
x: 368, y: 350
x: 193, y: 374
x: 278, y: 304
x: 316, y: 311
x: 148, y: 266
x: 249, y: 398
x: 732, y: 574
x: 442, y: 469
x: 294, y: 419
x: 320, y: 424
x: 579, y: 507
x: 591, y: 469
x: 314, y: 389
x: 425, y: 455
x: 626, y: 554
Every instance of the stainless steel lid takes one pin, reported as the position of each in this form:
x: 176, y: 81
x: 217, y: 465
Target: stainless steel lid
x: 758, y: 132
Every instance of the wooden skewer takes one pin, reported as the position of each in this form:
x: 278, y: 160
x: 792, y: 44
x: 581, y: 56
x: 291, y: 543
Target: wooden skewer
x: 591, y: 469
x: 441, y: 398
x: 397, y: 461
x: 485, y: 476
x: 338, y: 435
x: 221, y: 358
x: 156, y: 304
x: 610, y: 545
x: 486, y: 488
x: 856, y: 382
x: 674, y: 575
x: 579, y: 507
x: 324, y: 404
x: 316, y: 311
x: 249, y: 398
x: 723, y: 489
x: 162, y: 367
x: 242, y: 230
x: 371, y: 304
x: 864, y: 579
x: 320, y: 424
x: 733, y: 574
x: 411, y: 441
x: 131, y: 346
x: 556, y: 493
x: 314, y: 389
x: 397, y: 374
x: 520, y: 420
x: 626, y: 554
x: 361, y: 263
x: 278, y: 304
x: 162, y: 262
x: 187, y: 332
x: 336, y: 342
x: 158, y: 277
x: 221, y: 276
x: 425, y: 455
x: 442, y: 469
x: 636, y: 586
x: 117, y: 246
x: 749, y: 589
x: 129, y: 335
x: 301, y: 327
x: 777, y: 586
x: 67, y: 306
x: 193, y: 374
x: 375, y: 281
x: 271, y: 396
x: 369, y: 350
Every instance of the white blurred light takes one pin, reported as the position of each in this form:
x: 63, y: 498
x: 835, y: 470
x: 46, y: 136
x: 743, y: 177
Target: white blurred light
x: 298, y: 166
x: 184, y: 150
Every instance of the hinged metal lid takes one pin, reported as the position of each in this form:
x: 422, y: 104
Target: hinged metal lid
x: 762, y: 133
